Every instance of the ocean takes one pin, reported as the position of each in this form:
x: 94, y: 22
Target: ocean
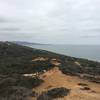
x: 91, y: 52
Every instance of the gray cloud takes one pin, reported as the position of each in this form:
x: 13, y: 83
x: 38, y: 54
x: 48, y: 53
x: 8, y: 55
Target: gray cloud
x: 51, y: 21
x: 3, y: 20
x: 9, y: 29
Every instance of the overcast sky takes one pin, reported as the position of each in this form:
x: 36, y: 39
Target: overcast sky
x: 50, y: 21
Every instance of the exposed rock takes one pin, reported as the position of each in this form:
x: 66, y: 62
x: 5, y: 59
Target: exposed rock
x: 40, y: 59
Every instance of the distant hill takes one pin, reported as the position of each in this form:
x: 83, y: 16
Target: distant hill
x: 22, y: 67
x: 27, y: 43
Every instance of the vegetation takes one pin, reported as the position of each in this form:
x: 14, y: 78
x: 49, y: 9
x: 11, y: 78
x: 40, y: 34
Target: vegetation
x: 58, y: 92
x: 18, y: 59
x: 54, y: 93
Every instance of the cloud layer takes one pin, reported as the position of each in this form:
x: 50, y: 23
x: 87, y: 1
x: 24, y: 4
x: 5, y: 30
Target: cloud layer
x: 50, y: 21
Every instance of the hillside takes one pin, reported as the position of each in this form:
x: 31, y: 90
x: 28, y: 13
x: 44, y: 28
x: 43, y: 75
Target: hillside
x: 55, y: 79
x: 26, y: 69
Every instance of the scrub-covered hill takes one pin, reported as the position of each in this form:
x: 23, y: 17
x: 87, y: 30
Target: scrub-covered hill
x: 21, y: 68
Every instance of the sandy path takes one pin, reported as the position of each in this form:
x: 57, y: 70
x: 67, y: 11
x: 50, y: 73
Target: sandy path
x: 55, y: 78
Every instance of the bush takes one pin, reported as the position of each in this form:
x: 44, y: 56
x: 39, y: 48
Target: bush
x: 44, y: 96
x: 82, y: 84
x: 58, y: 92
x: 29, y: 82
x: 85, y: 88
x: 54, y: 93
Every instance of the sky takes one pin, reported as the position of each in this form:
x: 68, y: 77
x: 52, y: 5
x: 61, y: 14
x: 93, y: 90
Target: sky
x: 50, y: 21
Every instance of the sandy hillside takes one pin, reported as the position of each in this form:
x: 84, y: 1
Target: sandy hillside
x: 55, y: 78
